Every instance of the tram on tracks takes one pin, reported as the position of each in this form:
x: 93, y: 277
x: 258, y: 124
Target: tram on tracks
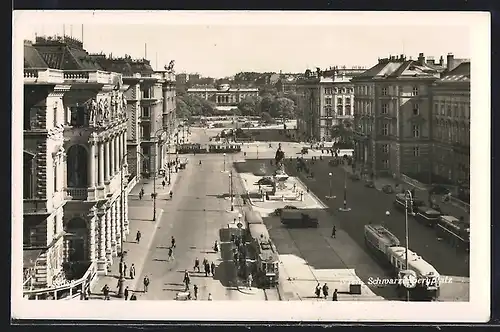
x: 266, y: 267
x: 208, y: 148
x: 454, y: 231
x: 386, y: 247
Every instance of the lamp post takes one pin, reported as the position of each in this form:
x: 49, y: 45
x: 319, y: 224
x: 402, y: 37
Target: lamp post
x: 231, y: 190
x: 257, y: 150
x: 345, y: 208
x: 408, y: 197
x: 330, y: 196
x: 224, y: 171
x: 121, y: 280
x: 154, y: 194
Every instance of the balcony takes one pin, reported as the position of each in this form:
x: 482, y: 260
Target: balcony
x: 80, y: 194
x: 43, y: 76
x: 90, y: 77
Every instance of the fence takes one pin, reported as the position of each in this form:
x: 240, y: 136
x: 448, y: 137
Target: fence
x: 65, y: 292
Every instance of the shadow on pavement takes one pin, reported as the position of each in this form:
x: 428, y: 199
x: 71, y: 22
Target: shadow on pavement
x: 225, y: 273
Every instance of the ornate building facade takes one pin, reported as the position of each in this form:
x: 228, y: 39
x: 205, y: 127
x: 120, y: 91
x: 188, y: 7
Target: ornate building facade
x: 451, y: 126
x: 150, y: 109
x: 324, y: 102
x: 393, y: 116
x: 75, y: 140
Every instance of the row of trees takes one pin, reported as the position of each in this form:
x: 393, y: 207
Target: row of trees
x: 275, y: 106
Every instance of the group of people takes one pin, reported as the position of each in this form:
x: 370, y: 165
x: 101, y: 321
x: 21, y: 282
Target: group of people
x: 208, y: 267
x: 324, y: 290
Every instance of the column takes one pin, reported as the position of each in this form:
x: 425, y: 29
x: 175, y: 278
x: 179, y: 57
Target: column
x: 120, y: 149
x: 117, y: 154
x: 100, y: 161
x: 101, y: 254
x: 109, y: 251
x: 106, y: 161
x: 118, y: 224
x: 92, y: 239
x: 112, y: 212
x: 111, y: 156
x: 92, y: 168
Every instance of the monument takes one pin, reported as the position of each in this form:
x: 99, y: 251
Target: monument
x: 280, y: 175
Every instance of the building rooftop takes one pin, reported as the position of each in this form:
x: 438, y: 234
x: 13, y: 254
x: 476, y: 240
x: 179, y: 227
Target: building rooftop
x: 32, y: 59
x: 124, y: 65
x: 460, y: 74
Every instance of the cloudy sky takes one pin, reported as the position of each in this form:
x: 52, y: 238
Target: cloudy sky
x: 219, y: 44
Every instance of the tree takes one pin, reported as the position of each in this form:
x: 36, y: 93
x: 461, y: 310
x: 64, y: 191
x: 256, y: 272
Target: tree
x: 181, y: 108
x: 267, y: 118
x: 249, y: 106
x: 268, y: 89
x: 266, y: 103
x: 343, y: 131
x: 282, y: 107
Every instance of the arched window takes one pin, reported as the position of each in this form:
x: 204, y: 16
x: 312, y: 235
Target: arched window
x: 77, y: 167
x: 29, y: 175
x: 77, y: 237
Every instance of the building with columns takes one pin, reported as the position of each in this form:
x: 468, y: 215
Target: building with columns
x: 450, y: 132
x: 325, y: 100
x: 75, y: 140
x: 392, y: 117
x: 150, y: 111
x: 223, y: 96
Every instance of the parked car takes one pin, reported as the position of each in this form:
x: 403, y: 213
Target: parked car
x: 369, y: 184
x: 287, y: 207
x: 304, y: 151
x: 265, y: 181
x: 439, y: 190
x: 387, y: 189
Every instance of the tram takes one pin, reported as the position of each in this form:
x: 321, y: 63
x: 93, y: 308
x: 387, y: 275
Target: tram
x: 454, y: 231
x: 266, y: 265
x: 427, y: 216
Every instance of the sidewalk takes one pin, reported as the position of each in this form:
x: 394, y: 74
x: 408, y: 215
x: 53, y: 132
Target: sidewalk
x: 139, y: 220
x: 449, y: 208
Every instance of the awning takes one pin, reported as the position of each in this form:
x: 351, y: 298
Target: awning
x: 30, y: 256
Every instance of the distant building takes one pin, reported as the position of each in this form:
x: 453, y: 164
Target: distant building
x: 75, y: 137
x: 181, y: 78
x: 450, y: 132
x: 223, y: 96
x: 325, y: 100
x: 193, y: 77
x: 393, y: 119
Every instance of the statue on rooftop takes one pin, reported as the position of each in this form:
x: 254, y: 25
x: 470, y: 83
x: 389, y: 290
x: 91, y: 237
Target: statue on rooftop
x: 93, y: 110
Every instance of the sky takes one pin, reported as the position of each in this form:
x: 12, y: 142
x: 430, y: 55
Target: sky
x: 219, y: 46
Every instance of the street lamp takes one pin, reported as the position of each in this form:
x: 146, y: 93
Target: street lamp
x: 408, y: 197
x: 121, y: 280
x: 231, y: 190
x: 154, y: 194
x: 330, y: 175
x: 224, y: 171
x: 345, y: 208
x: 257, y: 150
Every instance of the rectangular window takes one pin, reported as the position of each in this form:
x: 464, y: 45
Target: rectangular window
x: 347, y: 110
x: 384, y: 91
x: 436, y: 109
x: 55, y: 178
x: 385, y: 148
x: 146, y: 131
x: 54, y: 115
x: 348, y: 101
x: 328, y: 100
x: 416, y: 151
x: 416, y: 131
x: 385, y: 164
x: 339, y: 101
x: 448, y: 110
x: 385, y: 129
x: 147, y: 93
x: 340, y: 110
x: 416, y: 109
x: 455, y: 111
x: 385, y: 108
x: 442, y: 109
x: 414, y: 91
x: 28, y: 176
x: 146, y: 112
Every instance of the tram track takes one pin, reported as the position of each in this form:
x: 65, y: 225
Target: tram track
x: 272, y: 294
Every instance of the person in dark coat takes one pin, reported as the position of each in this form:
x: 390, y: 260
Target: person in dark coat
x: 334, y: 297
x: 207, y: 269
x: 125, y: 293
x: 334, y: 231
x: 105, y: 292
x: 212, y: 268
x: 146, y: 284
x: 132, y: 271
x: 138, y: 237
x: 317, y: 291
x: 325, y: 290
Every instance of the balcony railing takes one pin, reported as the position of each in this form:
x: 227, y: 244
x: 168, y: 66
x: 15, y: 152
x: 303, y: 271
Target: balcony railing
x: 43, y: 76
x: 90, y: 76
x: 77, y: 193
x: 65, y: 292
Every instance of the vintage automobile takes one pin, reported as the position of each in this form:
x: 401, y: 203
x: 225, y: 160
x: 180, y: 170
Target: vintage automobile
x: 369, y: 184
x: 387, y: 189
x: 295, y: 218
x: 278, y: 211
x: 355, y: 177
x: 265, y: 181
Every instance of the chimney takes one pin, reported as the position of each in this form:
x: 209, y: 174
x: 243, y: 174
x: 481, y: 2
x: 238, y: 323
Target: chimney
x: 441, y: 61
x: 421, y: 59
x: 449, y: 62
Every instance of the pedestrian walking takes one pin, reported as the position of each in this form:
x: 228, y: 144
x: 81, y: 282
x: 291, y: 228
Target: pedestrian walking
x: 172, y: 240
x: 209, y: 297
x: 146, y: 284
x: 125, y: 293
x: 207, y: 269
x: 124, y: 270
x: 212, y: 268
x: 132, y: 271
x: 170, y: 254
x: 325, y: 290
x: 140, y: 195
x: 334, y: 231
x: 249, y: 280
x: 196, y: 265
x: 138, y: 237
x: 105, y: 292
x: 317, y: 291
x: 163, y: 184
x: 195, y: 289
x: 334, y: 296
